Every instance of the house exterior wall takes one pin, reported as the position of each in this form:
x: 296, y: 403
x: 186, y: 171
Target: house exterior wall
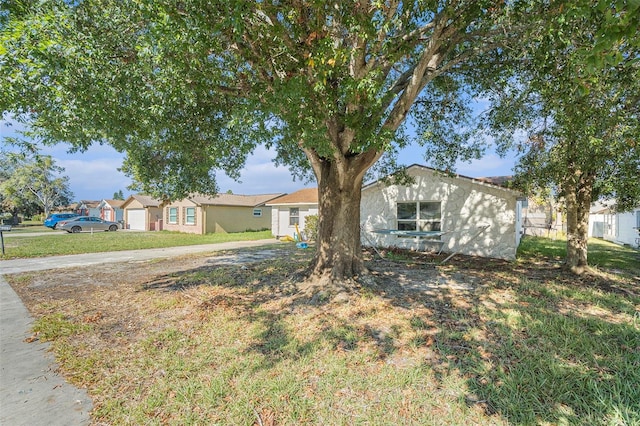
x: 155, y: 221
x: 181, y: 225
x: 596, y: 226
x: 153, y: 215
x: 622, y: 228
x: 215, y: 218
x: 280, y: 218
x: 236, y: 219
x: 466, y: 205
x: 84, y: 210
x: 111, y: 214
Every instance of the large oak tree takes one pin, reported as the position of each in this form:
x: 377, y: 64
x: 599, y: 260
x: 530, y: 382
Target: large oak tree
x: 188, y: 87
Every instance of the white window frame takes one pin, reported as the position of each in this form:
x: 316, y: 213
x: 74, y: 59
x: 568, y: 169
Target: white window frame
x: 294, y: 219
x: 257, y: 212
x: 169, y: 215
x: 420, y: 223
x: 189, y: 219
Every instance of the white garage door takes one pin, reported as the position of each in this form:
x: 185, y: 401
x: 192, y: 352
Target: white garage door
x: 136, y: 219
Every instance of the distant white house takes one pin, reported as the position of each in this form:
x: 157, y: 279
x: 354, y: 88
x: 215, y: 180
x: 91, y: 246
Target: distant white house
x: 619, y: 228
x: 597, y: 214
x: 473, y: 216
x: 87, y: 208
x: 111, y: 210
x: 290, y: 210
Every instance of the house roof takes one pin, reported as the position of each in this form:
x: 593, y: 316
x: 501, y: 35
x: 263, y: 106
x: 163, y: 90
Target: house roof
x: 233, y: 199
x: 600, y: 207
x: 145, y: 200
x: 116, y: 204
x: 303, y: 196
x: 89, y: 203
x: 503, y: 181
x: 479, y: 181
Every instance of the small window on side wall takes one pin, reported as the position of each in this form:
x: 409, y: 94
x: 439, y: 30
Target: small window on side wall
x: 257, y: 212
x: 294, y: 216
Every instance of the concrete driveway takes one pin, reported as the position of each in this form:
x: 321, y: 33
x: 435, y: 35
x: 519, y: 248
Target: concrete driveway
x: 31, y: 391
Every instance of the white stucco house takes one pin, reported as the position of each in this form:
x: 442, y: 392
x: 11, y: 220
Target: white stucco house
x: 597, y: 214
x: 290, y: 210
x: 468, y: 215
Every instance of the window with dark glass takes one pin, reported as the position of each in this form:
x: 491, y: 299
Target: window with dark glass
x: 294, y: 216
x: 419, y: 216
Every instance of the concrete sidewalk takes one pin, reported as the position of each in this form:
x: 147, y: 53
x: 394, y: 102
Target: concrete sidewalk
x: 15, y: 266
x: 31, y: 391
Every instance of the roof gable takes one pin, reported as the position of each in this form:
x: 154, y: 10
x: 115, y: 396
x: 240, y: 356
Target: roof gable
x: 417, y: 168
x: 115, y: 204
x: 303, y: 196
x: 88, y: 204
x: 145, y: 200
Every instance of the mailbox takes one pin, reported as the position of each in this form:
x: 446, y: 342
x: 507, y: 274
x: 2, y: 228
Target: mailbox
x: 3, y: 228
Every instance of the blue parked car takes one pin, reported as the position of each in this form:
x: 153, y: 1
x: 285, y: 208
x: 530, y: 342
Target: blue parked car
x: 53, y: 219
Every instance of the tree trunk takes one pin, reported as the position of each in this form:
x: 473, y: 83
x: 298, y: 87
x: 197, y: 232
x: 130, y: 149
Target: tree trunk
x: 578, y: 198
x: 338, y: 257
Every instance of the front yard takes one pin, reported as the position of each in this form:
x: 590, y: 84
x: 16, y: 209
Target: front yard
x: 205, y: 340
x: 61, y: 243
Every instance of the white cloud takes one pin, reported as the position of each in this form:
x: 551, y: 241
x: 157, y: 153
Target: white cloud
x: 489, y: 165
x: 94, y: 179
x: 261, y: 176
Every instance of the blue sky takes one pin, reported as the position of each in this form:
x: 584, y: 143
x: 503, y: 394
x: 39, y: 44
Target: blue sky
x: 94, y: 174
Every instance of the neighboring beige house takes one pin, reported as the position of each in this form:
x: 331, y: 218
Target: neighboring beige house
x: 142, y: 213
x: 111, y: 210
x: 291, y: 210
x: 466, y: 215
x: 201, y: 214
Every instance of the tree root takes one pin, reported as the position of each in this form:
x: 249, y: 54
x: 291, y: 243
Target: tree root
x: 324, y: 289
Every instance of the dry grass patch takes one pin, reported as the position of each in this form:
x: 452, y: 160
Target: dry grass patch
x: 204, y: 340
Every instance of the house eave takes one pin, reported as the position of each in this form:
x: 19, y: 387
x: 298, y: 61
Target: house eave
x: 455, y: 176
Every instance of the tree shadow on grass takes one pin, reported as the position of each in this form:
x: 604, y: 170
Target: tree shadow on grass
x: 533, y: 346
x: 535, y: 355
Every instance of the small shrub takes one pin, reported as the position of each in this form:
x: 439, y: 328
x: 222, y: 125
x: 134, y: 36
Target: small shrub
x: 311, y: 227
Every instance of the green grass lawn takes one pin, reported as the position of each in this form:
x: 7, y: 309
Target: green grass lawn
x: 61, y: 243
x: 523, y: 343
x: 24, y: 229
x: 600, y: 253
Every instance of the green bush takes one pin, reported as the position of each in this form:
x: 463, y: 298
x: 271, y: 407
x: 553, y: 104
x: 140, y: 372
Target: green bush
x: 311, y: 227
